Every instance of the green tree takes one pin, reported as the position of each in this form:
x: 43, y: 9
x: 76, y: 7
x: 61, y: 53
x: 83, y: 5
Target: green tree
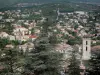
x: 11, y: 62
x: 45, y: 27
x: 43, y: 60
x: 74, y: 68
x: 94, y: 64
x: 8, y: 28
x: 53, y: 39
x: 3, y: 42
x: 73, y: 41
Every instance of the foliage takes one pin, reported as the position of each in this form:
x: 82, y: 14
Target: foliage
x: 43, y: 60
x: 32, y: 31
x: 33, y: 17
x: 97, y: 43
x: 8, y: 28
x: 73, y: 41
x: 74, y: 68
x: 3, y: 42
x: 53, y: 40
x: 11, y: 62
x: 94, y: 68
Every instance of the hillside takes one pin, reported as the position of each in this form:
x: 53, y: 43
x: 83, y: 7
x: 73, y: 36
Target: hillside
x: 4, y: 3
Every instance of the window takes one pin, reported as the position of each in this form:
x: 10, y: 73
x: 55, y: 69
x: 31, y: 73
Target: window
x: 86, y: 48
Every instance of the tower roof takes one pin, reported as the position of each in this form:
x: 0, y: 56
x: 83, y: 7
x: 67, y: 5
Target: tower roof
x: 87, y: 36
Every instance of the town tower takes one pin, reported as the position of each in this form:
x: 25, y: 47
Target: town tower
x: 86, y: 47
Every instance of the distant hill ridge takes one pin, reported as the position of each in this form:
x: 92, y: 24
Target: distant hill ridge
x: 60, y: 0
x: 4, y: 3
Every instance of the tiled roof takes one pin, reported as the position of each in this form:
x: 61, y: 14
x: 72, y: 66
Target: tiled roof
x: 96, y: 48
x: 32, y: 36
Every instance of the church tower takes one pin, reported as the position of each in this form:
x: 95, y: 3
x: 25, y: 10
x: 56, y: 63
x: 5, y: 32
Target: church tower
x: 86, y: 47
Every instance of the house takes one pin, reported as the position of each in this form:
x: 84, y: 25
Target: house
x: 80, y: 12
x: 3, y: 35
x: 37, y: 31
x: 9, y: 46
x: 9, y: 20
x: 1, y: 17
x: 32, y: 37
x: 25, y: 15
x: 11, y: 37
x: 82, y: 33
x: 94, y: 41
x: 1, y: 13
x: 94, y: 48
x: 32, y: 25
x: 37, y: 13
x: 64, y: 48
x: 20, y: 31
x: 27, y: 46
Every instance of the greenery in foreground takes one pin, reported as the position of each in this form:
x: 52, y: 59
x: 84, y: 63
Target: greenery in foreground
x: 43, y: 60
x: 94, y: 64
x: 74, y: 68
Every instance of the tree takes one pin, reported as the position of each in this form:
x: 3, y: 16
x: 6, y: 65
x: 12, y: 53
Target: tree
x: 94, y: 68
x: 45, y: 27
x: 43, y: 60
x: 8, y: 28
x: 72, y: 41
x: 11, y: 62
x: 3, y: 42
x: 53, y: 40
x: 73, y: 68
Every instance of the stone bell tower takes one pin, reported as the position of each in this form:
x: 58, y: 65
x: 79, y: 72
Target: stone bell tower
x: 86, y: 47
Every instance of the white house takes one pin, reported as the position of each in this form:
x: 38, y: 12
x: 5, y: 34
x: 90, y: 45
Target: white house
x: 11, y: 37
x: 20, y: 31
x: 28, y: 46
x: 3, y: 35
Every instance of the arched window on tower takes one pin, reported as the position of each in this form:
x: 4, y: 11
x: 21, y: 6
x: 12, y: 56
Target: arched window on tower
x: 86, y: 48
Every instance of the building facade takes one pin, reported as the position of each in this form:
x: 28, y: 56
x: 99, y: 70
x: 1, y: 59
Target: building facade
x: 86, y: 48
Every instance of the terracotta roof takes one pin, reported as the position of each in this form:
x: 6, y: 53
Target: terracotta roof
x: 96, y: 47
x: 32, y: 36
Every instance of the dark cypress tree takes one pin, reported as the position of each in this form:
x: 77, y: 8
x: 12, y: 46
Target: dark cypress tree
x: 43, y: 60
x: 74, y: 68
x: 94, y: 68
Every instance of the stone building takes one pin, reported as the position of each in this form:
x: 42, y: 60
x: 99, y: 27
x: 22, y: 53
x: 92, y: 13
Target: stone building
x: 86, y: 48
